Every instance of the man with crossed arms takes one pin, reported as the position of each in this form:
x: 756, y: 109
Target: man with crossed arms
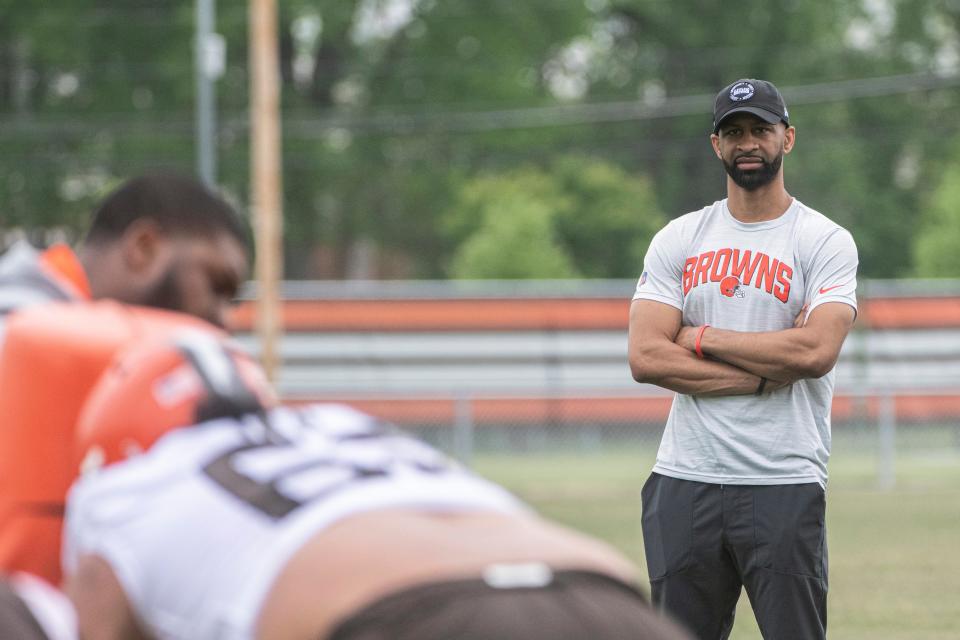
x: 742, y: 309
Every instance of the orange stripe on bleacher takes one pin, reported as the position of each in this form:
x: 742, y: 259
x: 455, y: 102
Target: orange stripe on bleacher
x: 444, y: 315
x: 542, y: 314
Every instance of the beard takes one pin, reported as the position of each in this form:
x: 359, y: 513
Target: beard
x: 166, y: 293
x: 755, y: 178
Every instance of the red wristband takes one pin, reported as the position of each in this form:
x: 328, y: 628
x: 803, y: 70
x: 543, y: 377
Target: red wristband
x: 696, y: 345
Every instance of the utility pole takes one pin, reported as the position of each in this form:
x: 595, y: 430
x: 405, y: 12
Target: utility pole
x: 209, y: 62
x: 265, y: 176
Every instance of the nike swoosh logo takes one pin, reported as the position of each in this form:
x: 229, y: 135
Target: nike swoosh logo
x: 825, y: 289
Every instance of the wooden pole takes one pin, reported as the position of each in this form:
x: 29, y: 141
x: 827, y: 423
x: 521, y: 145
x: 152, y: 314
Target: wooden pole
x: 265, y: 176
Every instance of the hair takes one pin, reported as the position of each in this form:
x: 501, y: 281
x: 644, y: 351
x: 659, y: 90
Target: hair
x: 180, y: 205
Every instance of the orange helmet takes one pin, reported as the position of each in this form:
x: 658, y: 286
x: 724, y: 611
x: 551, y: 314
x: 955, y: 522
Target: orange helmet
x: 728, y: 286
x: 153, y: 388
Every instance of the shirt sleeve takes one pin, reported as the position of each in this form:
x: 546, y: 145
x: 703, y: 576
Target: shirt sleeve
x: 833, y: 271
x: 663, y: 269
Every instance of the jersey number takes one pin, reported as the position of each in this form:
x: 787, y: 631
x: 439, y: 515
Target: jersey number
x: 267, y: 497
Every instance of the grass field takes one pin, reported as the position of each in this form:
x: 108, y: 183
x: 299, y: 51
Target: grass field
x: 894, y: 554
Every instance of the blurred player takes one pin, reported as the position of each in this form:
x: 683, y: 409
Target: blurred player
x: 160, y: 240
x: 304, y: 523
x: 52, y: 356
x: 31, y: 609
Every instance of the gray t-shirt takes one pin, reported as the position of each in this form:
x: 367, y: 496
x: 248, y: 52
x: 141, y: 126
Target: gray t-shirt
x: 750, y: 277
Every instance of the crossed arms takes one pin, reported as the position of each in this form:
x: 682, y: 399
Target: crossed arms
x: 661, y: 351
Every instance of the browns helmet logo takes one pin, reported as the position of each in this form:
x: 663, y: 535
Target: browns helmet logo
x: 160, y: 385
x: 730, y: 287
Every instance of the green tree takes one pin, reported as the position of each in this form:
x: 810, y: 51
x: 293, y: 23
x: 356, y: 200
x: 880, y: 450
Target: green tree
x: 390, y: 106
x: 578, y: 216
x: 514, y: 242
x: 370, y: 151
x: 611, y: 217
x: 936, y: 246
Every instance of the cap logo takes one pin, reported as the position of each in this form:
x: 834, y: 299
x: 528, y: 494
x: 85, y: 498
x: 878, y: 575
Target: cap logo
x: 741, y: 91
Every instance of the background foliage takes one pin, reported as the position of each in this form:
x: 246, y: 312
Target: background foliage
x: 454, y: 138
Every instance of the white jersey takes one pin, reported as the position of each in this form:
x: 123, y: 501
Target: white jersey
x: 198, y: 527
x: 750, y: 277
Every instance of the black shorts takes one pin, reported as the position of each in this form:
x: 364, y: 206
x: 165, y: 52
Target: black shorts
x: 706, y: 542
x: 574, y: 605
x: 16, y: 619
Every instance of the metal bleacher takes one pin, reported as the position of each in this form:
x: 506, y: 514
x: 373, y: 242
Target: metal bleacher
x: 508, y: 367
x: 903, y: 351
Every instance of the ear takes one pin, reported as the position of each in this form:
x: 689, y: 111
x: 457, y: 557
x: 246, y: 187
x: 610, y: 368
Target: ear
x: 142, y: 243
x: 715, y: 141
x: 789, y: 139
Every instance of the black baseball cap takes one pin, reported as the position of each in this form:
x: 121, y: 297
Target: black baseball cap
x: 758, y: 97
